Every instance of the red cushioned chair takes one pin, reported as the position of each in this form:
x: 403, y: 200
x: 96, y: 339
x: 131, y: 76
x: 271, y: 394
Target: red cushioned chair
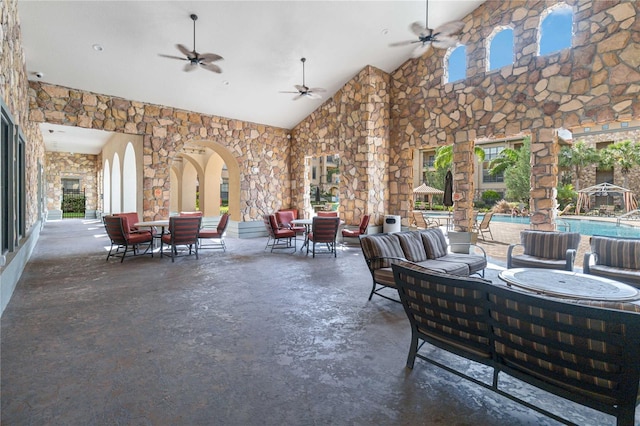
x: 327, y: 214
x: 284, y: 218
x: 118, y: 230
x: 324, y: 230
x: 362, y: 230
x: 133, y: 218
x: 183, y: 231
x: 192, y: 214
x: 278, y: 238
x: 215, y: 235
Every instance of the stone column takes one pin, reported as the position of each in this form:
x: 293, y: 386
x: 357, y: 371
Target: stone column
x: 544, y: 179
x: 463, y: 185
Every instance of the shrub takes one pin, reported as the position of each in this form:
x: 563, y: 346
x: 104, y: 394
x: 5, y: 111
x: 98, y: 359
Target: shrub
x: 502, y: 206
x: 490, y: 197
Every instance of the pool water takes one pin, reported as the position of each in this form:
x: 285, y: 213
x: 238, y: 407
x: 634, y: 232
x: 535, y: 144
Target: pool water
x: 583, y: 226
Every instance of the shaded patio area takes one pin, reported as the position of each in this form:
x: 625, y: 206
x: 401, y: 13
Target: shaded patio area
x: 242, y: 337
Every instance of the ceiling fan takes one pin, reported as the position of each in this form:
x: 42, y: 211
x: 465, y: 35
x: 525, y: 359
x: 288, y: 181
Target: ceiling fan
x: 303, y: 90
x: 440, y: 37
x: 205, y: 60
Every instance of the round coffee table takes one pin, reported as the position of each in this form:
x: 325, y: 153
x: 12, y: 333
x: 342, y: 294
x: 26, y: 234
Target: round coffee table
x: 570, y: 285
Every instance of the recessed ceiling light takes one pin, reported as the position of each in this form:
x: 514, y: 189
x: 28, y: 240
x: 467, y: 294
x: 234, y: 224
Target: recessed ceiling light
x: 226, y: 82
x: 97, y: 47
x: 385, y: 31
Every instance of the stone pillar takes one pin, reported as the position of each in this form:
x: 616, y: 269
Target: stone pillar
x: 463, y: 185
x: 544, y: 179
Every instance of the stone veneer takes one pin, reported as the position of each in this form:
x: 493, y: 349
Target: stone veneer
x: 14, y: 92
x: 595, y: 81
x: 355, y: 124
x: 66, y: 165
x: 377, y: 120
x: 261, y: 152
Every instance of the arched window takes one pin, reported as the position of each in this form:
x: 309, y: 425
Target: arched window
x: 456, y: 64
x: 556, y: 29
x: 500, y: 48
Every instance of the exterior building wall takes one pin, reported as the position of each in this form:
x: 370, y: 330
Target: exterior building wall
x: 261, y: 152
x: 62, y: 165
x: 354, y: 123
x: 597, y: 134
x: 14, y: 90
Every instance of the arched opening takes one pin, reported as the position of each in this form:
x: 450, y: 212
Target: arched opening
x: 455, y: 64
x: 106, y: 188
x: 206, y: 170
x: 129, y: 178
x: 116, y: 186
x: 556, y: 29
x: 500, y: 48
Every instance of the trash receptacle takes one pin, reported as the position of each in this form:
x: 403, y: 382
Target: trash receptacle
x: 391, y: 223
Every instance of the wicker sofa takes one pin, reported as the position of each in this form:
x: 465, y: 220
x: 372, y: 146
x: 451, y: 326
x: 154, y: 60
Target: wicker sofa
x: 586, y: 354
x: 427, y: 247
x: 614, y: 257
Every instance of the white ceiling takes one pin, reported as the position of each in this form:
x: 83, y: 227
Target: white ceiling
x: 261, y: 42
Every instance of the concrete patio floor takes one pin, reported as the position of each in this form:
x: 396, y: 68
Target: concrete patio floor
x: 245, y: 337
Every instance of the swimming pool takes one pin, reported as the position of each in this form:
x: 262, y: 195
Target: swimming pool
x: 583, y: 226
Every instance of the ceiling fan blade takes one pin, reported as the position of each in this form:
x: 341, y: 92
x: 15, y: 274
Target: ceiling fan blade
x: 449, y: 28
x: 418, y: 28
x: 189, y: 67
x: 404, y: 43
x: 317, y: 90
x: 312, y: 95
x: 173, y: 57
x: 300, y: 88
x: 298, y: 97
x: 210, y: 57
x: 444, y: 42
x: 421, y: 50
x: 186, y: 52
x: 288, y: 91
x: 211, y: 67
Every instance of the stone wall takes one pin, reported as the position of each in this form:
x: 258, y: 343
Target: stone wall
x: 595, y: 81
x: 66, y: 165
x: 14, y: 92
x: 353, y: 123
x: 261, y: 152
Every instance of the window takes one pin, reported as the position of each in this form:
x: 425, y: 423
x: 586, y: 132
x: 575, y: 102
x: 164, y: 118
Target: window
x: 428, y: 161
x: 556, y: 29
x: 12, y: 183
x: 500, y: 51
x: 489, y: 154
x: 455, y: 64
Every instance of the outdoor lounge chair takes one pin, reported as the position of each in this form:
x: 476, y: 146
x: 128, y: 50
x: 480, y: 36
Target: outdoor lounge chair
x: 324, y: 230
x: 215, y: 236
x: 183, y: 231
x: 544, y: 249
x: 362, y: 229
x: 423, y: 223
x: 484, y: 225
x: 121, y: 237
x: 278, y: 238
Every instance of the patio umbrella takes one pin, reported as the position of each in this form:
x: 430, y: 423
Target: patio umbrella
x: 448, y: 190
x: 428, y: 191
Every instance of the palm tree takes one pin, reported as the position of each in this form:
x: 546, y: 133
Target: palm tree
x: 444, y: 156
x: 576, y: 158
x: 624, y: 154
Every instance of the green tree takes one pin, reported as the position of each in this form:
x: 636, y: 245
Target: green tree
x: 444, y: 156
x: 517, y: 177
x: 624, y: 155
x: 576, y: 158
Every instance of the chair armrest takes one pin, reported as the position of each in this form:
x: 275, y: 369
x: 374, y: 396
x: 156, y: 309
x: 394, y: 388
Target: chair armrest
x: 571, y: 257
x: 510, y: 252
x: 471, y: 246
x: 586, y: 261
x: 373, y: 259
x: 475, y: 246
